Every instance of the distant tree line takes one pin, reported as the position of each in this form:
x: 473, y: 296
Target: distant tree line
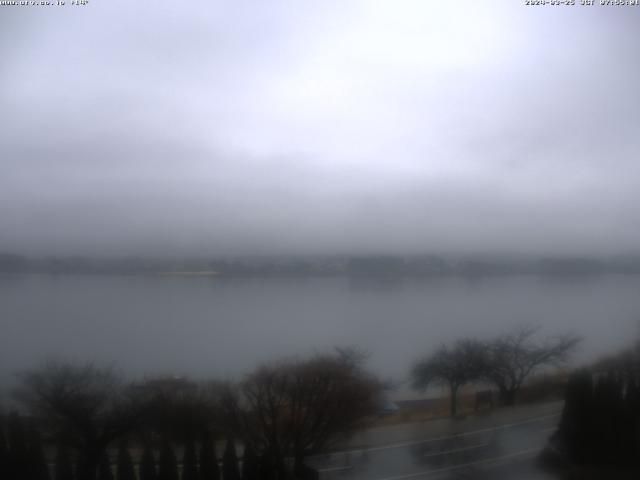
x: 84, y: 422
x: 504, y: 362
x: 355, y: 266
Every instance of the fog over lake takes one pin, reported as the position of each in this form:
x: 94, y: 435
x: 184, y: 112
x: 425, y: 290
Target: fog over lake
x: 225, y: 327
x: 210, y: 130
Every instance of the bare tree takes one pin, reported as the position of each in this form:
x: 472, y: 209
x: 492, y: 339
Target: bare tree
x: 86, y: 406
x: 452, y: 366
x: 296, y: 408
x: 512, y: 358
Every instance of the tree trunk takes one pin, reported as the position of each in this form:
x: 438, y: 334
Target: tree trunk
x: 298, y: 462
x: 454, y: 400
x: 508, y: 396
x: 272, y: 466
x: 302, y: 471
x: 88, y: 462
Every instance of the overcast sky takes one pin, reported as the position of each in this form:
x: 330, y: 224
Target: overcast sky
x: 209, y: 127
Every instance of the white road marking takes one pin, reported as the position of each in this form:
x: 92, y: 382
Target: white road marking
x: 439, y: 439
x: 440, y: 471
x: 456, y: 450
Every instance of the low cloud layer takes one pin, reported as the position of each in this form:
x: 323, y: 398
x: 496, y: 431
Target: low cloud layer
x: 213, y: 128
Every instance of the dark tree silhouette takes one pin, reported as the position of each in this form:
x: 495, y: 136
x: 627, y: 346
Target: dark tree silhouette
x: 189, y: 462
x: 512, y: 358
x: 452, y: 366
x: 125, y: 470
x: 87, y: 405
x: 250, y: 464
x: 168, y: 469
x: 631, y: 407
x: 63, y: 468
x: 180, y: 409
x: 38, y: 469
x: 267, y: 467
x: 18, y: 452
x: 147, y: 467
x: 104, y: 467
x: 230, y: 469
x: 209, y: 469
x: 4, y: 452
x: 296, y: 408
x: 600, y: 423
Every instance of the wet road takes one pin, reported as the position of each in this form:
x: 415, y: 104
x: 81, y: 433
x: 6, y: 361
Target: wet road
x: 504, y: 451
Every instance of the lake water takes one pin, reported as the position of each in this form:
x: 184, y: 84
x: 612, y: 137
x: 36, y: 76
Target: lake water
x: 225, y: 327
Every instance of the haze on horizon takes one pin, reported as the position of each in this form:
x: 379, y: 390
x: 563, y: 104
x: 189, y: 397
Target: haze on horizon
x: 214, y: 128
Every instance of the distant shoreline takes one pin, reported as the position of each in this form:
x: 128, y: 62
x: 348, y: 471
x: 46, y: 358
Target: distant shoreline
x: 373, y: 266
x: 379, y: 276
x: 197, y: 273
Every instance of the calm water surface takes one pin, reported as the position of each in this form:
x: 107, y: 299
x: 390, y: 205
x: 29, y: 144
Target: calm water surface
x: 224, y: 327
